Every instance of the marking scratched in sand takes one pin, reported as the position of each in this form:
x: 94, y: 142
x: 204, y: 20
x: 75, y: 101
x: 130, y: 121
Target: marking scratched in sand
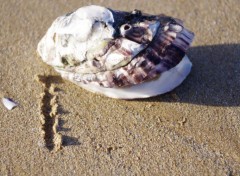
x: 49, y: 115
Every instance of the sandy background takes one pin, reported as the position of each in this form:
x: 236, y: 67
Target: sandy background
x: 194, y: 130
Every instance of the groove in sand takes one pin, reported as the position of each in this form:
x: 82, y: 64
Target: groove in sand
x: 49, y: 114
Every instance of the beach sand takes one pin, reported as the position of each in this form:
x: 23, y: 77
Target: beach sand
x: 193, y: 130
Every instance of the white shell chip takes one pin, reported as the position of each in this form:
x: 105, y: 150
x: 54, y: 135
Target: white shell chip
x: 8, y: 103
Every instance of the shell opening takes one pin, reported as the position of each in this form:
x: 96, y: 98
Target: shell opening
x: 126, y: 27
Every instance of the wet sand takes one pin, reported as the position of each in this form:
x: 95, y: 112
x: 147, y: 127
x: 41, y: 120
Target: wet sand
x: 193, y: 130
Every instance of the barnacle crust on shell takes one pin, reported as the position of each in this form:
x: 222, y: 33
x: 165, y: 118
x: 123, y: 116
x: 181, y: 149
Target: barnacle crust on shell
x: 119, y: 54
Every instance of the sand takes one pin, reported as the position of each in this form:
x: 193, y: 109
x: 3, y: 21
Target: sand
x: 194, y: 130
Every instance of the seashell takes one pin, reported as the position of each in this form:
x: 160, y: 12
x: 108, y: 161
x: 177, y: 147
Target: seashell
x: 9, y: 103
x: 119, y: 54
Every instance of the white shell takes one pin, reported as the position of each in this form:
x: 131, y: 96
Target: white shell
x: 84, y: 47
x: 8, y: 103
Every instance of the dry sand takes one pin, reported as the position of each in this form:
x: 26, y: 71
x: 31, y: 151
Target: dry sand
x: 194, y: 130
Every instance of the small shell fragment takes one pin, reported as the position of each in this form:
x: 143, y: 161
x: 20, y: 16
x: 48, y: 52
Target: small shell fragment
x: 9, y: 103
